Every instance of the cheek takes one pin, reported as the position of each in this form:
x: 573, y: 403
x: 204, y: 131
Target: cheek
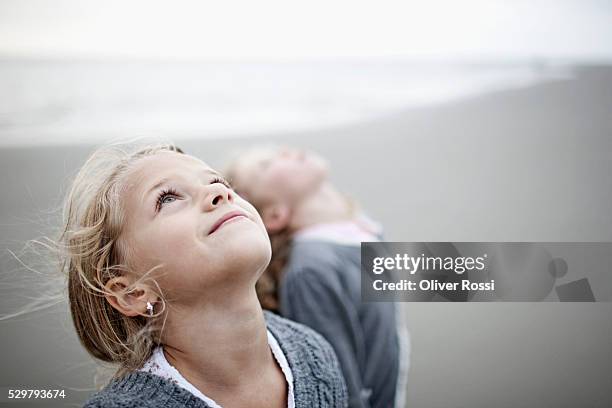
x: 173, y: 239
x: 166, y: 242
x: 285, y: 178
x: 295, y: 179
x: 183, y: 261
x: 280, y: 173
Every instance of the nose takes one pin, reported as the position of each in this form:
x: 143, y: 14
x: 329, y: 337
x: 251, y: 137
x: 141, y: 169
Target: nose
x: 216, y: 195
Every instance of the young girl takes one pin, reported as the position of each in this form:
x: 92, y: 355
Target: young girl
x: 314, y: 275
x: 162, y: 258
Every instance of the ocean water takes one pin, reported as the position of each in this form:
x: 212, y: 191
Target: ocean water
x: 59, y: 102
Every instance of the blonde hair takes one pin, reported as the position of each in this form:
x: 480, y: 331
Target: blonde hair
x: 91, y: 252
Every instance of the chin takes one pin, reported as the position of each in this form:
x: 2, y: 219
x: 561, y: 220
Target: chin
x: 250, y: 253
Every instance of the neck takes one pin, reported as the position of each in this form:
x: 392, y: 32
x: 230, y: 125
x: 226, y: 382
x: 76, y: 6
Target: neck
x: 324, y: 205
x: 221, y: 344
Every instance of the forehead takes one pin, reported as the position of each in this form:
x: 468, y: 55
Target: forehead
x: 164, y: 165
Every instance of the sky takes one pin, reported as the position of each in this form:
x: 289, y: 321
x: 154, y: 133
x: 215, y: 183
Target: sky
x: 288, y: 30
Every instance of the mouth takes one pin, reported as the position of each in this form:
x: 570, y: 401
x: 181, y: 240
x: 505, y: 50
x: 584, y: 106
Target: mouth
x: 229, y: 217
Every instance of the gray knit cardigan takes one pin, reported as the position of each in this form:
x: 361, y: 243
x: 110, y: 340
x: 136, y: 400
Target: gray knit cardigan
x: 317, y: 379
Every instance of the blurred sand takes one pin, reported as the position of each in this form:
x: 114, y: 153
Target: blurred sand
x: 530, y: 164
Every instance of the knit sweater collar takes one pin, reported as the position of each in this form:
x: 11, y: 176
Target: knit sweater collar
x: 152, y: 387
x: 149, y: 386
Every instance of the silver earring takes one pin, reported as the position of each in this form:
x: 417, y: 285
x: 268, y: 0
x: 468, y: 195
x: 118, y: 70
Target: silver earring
x: 150, y: 309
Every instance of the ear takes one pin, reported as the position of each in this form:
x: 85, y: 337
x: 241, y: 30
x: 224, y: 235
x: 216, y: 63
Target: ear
x: 276, y: 217
x: 129, y: 303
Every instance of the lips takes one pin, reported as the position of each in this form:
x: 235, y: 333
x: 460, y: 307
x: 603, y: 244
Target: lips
x: 230, y: 215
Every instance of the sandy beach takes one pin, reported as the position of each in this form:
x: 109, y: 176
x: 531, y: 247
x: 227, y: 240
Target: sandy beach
x: 527, y: 164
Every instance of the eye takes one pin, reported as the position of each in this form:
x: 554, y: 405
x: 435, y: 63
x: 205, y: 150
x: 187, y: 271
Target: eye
x: 165, y: 197
x: 222, y: 181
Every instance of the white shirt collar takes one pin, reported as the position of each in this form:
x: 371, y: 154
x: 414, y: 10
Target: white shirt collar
x: 158, y: 365
x: 351, y: 232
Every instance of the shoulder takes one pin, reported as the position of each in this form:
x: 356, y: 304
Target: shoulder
x: 106, y: 399
x: 312, y: 254
x: 301, y: 343
x: 316, y: 371
x: 140, y: 389
x: 320, y: 267
x: 312, y: 260
x: 112, y: 397
x: 322, y: 255
x: 289, y: 331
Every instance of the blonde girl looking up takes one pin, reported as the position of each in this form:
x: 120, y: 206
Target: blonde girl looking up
x: 162, y: 257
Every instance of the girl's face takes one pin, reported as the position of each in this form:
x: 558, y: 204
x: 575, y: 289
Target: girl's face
x: 182, y: 214
x: 281, y: 175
